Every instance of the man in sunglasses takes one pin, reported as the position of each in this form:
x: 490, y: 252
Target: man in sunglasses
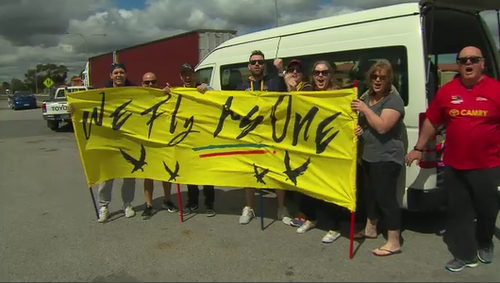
x: 469, y: 108
x: 294, y: 77
x: 258, y: 81
x: 188, y: 78
x: 149, y: 80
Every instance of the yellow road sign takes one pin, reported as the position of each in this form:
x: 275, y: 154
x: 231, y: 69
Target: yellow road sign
x: 48, y: 83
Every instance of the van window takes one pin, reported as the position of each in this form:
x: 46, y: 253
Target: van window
x: 452, y: 31
x: 204, y: 75
x: 234, y: 75
x: 350, y: 66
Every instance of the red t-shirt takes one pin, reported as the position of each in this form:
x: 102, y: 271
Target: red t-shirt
x: 472, y: 120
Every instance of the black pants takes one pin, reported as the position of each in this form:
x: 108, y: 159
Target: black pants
x: 334, y: 214
x: 309, y: 207
x: 381, y: 185
x: 472, y: 194
x: 208, y: 192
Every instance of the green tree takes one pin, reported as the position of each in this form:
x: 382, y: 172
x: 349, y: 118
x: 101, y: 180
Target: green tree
x: 5, y: 85
x: 35, y: 77
x: 16, y: 84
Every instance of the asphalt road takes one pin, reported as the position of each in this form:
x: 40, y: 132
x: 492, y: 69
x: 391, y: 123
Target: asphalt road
x: 49, y: 232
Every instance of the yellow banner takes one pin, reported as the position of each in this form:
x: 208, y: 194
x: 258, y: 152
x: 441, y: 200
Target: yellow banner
x: 300, y: 141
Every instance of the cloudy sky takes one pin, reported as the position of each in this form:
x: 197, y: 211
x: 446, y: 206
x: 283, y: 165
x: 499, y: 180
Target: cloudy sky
x: 32, y: 31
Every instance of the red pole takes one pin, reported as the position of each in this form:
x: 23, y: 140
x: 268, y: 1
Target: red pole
x: 179, y: 201
x: 351, y: 240
x: 352, y: 236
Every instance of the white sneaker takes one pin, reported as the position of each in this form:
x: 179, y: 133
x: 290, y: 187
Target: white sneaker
x: 283, y: 215
x: 247, y: 215
x: 103, y: 214
x: 330, y: 237
x: 129, y: 212
x: 308, y: 225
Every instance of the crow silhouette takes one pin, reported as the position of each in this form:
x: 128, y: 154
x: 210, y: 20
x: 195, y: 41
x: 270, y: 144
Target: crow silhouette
x: 173, y: 174
x: 260, y: 176
x: 293, y: 174
x: 138, y: 164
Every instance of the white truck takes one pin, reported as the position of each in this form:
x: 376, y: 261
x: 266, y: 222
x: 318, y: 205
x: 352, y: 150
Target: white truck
x: 55, y: 110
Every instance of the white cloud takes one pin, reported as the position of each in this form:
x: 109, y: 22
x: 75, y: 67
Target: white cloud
x: 40, y: 36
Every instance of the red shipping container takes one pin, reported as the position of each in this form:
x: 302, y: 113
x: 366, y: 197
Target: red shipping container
x: 99, y: 69
x: 163, y: 57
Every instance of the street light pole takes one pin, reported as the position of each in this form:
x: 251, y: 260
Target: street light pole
x: 85, y: 40
x: 86, y: 45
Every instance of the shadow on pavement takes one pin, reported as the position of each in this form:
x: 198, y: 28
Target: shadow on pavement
x: 66, y: 128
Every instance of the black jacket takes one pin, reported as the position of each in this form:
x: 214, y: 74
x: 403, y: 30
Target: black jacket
x: 270, y: 84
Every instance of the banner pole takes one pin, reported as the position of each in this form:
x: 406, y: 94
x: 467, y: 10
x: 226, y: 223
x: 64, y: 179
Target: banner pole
x: 93, y: 201
x: 351, y: 238
x: 261, y: 197
x: 179, y: 201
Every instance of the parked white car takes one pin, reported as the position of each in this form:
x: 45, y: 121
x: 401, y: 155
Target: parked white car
x: 55, y: 110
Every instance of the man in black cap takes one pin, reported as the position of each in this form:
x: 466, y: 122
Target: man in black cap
x: 118, y: 75
x: 188, y: 77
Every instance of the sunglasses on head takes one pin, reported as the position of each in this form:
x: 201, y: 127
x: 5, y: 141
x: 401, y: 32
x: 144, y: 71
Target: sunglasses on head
x: 318, y: 73
x: 149, y: 82
x: 292, y: 69
x: 255, y: 62
x: 375, y: 77
x: 473, y: 60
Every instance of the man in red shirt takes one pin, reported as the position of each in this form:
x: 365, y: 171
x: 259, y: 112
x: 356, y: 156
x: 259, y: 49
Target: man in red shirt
x: 469, y: 108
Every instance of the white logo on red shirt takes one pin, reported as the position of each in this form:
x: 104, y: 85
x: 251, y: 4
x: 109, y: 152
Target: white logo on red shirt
x: 481, y: 99
x: 455, y: 99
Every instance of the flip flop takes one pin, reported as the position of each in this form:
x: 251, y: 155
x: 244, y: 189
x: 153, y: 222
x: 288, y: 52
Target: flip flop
x: 389, y: 253
x: 360, y: 235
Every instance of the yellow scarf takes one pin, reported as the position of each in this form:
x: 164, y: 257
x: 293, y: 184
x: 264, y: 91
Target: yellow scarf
x: 261, y: 85
x: 300, y: 86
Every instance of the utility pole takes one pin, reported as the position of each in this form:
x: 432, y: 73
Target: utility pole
x: 276, y: 13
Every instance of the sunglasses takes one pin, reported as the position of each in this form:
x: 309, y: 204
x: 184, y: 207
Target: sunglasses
x: 375, y: 77
x: 255, y: 62
x: 323, y: 73
x: 149, y: 82
x: 473, y: 60
x: 294, y: 69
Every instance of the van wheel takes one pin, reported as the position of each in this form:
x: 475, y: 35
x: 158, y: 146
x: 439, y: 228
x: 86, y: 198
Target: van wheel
x: 53, y: 125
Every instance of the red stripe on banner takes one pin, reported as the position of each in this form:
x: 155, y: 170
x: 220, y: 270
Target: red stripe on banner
x: 233, y: 153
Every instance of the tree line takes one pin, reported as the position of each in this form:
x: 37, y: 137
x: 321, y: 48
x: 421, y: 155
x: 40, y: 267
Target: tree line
x: 34, y: 78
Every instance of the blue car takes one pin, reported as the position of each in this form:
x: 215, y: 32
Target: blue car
x: 22, y: 100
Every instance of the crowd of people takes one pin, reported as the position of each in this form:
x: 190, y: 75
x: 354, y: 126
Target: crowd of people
x: 471, y: 153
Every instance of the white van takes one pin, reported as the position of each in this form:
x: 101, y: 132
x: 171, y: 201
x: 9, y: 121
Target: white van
x: 414, y: 37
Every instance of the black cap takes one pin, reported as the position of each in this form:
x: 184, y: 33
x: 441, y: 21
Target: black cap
x: 186, y: 67
x: 294, y: 62
x: 117, y: 66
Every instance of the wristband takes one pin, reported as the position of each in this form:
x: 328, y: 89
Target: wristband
x: 417, y: 149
